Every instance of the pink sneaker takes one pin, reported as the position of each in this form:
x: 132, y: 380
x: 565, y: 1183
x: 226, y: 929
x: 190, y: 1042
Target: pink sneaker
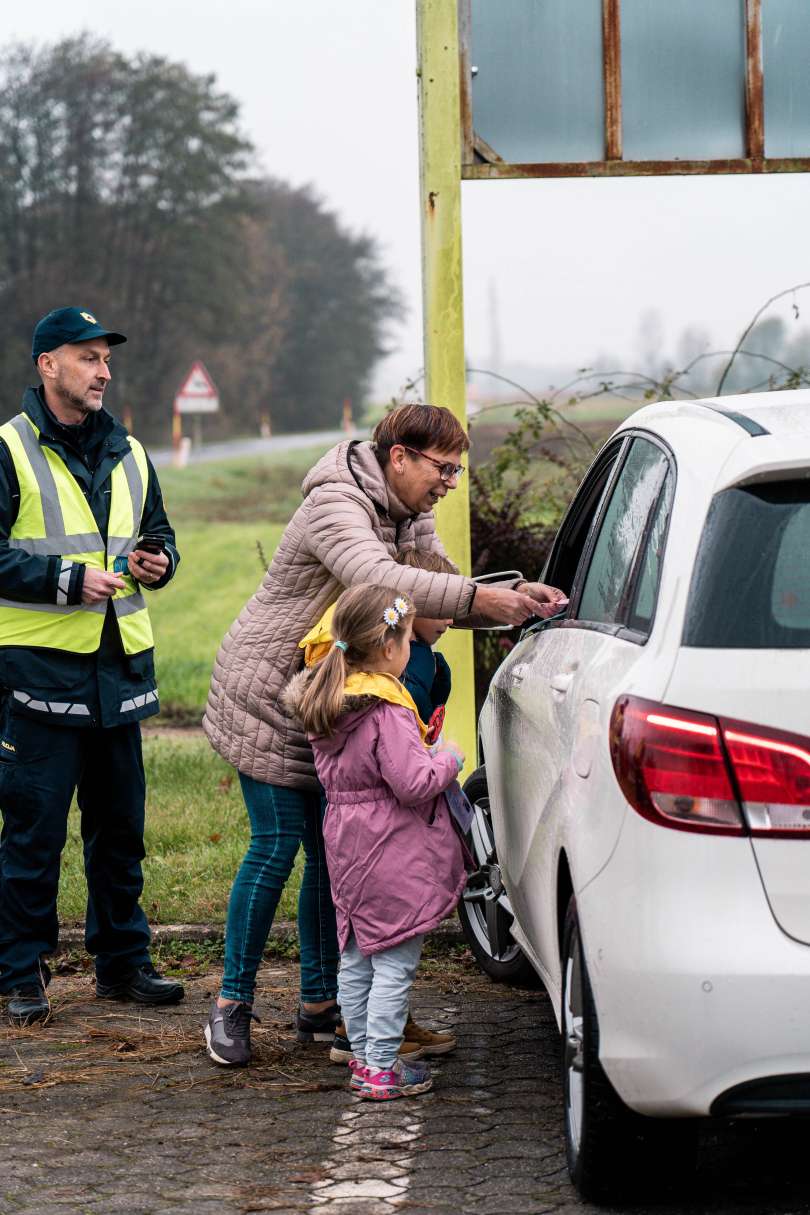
x: 401, y: 1080
x: 359, y: 1073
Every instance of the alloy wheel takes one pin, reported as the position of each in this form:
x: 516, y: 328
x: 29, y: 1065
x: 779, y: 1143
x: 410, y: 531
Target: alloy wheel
x: 490, y: 913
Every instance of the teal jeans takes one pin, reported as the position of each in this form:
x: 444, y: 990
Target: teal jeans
x: 281, y: 820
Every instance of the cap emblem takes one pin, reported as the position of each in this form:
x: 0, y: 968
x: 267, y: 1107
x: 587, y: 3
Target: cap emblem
x: 88, y: 316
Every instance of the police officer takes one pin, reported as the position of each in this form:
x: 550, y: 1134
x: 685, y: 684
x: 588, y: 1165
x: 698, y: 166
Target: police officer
x: 76, y: 666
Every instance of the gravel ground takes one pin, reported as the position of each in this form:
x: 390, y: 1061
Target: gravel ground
x: 111, y: 1109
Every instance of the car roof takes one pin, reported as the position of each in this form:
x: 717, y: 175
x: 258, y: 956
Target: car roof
x: 734, y: 439
x: 782, y: 414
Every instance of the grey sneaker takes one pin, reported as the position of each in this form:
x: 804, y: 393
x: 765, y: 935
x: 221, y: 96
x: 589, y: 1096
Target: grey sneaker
x: 227, y: 1034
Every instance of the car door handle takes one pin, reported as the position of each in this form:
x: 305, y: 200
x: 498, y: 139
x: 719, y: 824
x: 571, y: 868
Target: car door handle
x: 561, y: 683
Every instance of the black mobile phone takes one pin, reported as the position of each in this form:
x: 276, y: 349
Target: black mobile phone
x: 149, y: 542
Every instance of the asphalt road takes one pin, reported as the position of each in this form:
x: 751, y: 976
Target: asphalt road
x: 111, y: 1109
x: 211, y: 452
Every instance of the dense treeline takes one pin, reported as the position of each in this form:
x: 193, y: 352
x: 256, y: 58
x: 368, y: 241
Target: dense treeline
x: 127, y: 187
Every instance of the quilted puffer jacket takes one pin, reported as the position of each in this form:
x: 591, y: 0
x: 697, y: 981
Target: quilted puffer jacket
x: 347, y: 530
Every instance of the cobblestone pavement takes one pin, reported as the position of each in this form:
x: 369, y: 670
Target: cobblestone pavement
x: 107, y: 1110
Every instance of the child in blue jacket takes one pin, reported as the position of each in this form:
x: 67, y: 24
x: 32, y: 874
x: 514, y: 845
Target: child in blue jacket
x: 427, y: 675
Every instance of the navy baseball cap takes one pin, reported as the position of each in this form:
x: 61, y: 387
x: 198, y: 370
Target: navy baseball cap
x: 65, y: 325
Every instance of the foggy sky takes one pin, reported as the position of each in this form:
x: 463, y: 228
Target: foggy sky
x: 328, y: 91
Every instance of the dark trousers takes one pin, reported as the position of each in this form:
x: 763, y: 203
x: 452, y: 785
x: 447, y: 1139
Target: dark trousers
x: 41, y: 766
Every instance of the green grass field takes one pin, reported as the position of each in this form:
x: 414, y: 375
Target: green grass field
x: 196, y: 835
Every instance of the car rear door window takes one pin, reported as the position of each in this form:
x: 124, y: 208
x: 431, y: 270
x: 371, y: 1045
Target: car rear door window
x: 644, y: 598
x: 628, y: 534
x: 751, y: 581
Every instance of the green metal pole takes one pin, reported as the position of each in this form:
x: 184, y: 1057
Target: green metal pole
x: 443, y: 306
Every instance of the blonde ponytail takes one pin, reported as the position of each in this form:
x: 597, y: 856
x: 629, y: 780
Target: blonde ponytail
x: 322, y: 701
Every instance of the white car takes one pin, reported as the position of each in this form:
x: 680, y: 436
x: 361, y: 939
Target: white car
x: 642, y: 818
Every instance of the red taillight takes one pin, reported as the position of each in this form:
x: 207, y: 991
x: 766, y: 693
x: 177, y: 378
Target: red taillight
x: 691, y: 771
x: 772, y: 770
x: 671, y: 767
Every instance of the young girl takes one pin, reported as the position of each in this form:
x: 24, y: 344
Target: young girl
x: 395, y: 861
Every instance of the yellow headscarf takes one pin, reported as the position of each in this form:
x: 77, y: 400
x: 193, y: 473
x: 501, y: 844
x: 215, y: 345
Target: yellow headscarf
x: 318, y: 641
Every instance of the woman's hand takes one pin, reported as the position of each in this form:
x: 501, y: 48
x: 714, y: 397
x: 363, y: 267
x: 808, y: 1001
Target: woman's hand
x: 505, y: 606
x: 548, y: 599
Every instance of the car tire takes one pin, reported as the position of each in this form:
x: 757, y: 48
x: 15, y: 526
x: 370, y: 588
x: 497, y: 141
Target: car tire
x: 612, y: 1152
x: 484, y: 910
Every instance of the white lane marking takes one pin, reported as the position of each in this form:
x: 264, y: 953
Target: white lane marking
x: 365, y: 1174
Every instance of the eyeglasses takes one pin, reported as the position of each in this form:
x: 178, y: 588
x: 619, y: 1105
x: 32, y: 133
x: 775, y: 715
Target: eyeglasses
x: 447, y: 472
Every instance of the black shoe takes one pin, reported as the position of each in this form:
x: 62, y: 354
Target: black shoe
x: 143, y: 985
x: 27, y: 1003
x: 227, y: 1034
x: 341, y: 1051
x: 317, y: 1027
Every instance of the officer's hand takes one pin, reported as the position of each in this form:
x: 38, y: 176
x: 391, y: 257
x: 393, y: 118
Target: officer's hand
x: 147, y: 567
x: 99, y: 585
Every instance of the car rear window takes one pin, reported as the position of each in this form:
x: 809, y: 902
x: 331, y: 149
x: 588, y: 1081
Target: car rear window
x: 751, y: 583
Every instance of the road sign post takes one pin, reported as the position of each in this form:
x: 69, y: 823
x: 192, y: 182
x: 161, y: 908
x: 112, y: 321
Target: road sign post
x: 198, y: 394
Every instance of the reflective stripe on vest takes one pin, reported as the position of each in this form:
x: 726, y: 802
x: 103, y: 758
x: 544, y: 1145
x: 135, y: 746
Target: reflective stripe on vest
x: 55, y: 519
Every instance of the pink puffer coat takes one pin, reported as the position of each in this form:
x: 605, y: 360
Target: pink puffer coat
x: 396, y: 864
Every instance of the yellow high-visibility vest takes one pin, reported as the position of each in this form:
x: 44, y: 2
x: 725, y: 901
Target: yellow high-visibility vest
x: 55, y: 519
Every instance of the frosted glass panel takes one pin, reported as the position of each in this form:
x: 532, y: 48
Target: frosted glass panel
x: 786, y: 61
x: 538, y: 93
x: 683, y: 79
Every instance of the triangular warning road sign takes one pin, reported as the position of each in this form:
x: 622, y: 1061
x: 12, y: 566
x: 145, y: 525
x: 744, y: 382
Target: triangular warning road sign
x: 198, y: 383
x: 198, y: 392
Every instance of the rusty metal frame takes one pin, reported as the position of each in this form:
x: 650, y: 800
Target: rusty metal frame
x: 465, y: 84
x: 480, y: 162
x: 754, y: 90
x: 612, y: 77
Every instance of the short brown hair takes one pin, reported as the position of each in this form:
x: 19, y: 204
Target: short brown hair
x: 419, y: 426
x: 426, y: 559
